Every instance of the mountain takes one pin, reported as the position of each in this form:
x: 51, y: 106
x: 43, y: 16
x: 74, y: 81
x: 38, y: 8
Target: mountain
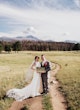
x: 71, y: 41
x: 29, y: 37
x: 55, y: 4
x: 8, y: 39
x: 20, y: 38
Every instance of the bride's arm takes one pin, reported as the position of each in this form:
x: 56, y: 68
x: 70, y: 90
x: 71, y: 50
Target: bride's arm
x: 33, y: 66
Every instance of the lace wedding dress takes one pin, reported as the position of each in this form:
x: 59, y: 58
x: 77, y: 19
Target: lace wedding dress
x: 30, y: 90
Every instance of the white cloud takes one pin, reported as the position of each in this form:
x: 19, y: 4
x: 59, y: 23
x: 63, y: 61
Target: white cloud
x: 12, y: 34
x: 4, y: 34
x: 50, y: 23
x: 30, y: 30
x: 77, y: 3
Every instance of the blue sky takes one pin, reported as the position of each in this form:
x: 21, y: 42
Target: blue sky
x: 47, y: 19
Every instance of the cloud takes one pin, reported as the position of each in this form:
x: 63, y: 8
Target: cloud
x: 30, y: 30
x: 54, y: 4
x: 77, y: 3
x: 44, y: 23
x: 2, y: 34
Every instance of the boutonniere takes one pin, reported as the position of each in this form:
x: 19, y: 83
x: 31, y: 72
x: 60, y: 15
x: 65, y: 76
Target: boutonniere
x: 45, y: 64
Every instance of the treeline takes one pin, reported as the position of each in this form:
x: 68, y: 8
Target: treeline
x: 46, y: 46
x: 37, y: 46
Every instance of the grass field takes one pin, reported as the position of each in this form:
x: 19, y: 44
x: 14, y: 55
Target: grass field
x: 13, y: 69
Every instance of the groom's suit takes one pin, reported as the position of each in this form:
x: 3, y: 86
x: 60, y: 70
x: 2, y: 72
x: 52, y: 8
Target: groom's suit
x: 44, y: 76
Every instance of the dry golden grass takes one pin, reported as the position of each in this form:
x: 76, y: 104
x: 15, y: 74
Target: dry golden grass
x: 13, y: 69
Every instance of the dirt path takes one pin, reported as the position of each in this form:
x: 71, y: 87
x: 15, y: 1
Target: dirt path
x: 33, y: 103
x: 36, y: 102
x: 58, y: 100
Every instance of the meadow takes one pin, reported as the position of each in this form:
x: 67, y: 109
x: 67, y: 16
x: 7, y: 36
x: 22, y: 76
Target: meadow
x: 13, y: 70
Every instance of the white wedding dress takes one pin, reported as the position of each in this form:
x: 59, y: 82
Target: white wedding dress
x: 30, y: 90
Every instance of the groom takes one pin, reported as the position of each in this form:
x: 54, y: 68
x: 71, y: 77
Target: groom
x: 44, y: 76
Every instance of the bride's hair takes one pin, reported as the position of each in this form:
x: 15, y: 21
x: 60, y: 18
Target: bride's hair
x: 36, y: 57
x: 42, y: 55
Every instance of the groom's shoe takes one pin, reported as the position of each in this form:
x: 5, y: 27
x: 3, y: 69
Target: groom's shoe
x: 43, y: 93
x: 47, y: 91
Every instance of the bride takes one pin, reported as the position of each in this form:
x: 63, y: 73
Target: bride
x: 30, y: 90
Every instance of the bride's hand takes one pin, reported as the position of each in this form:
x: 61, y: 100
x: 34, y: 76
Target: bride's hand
x: 33, y: 68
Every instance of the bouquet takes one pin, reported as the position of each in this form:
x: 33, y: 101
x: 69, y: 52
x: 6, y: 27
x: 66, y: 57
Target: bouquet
x: 40, y: 69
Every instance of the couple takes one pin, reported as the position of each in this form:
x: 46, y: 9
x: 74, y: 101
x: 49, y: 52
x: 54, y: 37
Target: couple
x: 33, y: 88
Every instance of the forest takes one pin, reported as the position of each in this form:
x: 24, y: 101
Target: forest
x: 37, y: 46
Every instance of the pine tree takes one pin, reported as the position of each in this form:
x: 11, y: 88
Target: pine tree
x: 16, y: 46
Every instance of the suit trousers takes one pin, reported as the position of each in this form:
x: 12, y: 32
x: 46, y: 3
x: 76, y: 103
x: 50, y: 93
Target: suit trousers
x: 44, y: 77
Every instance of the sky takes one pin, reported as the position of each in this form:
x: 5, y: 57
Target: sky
x: 57, y: 20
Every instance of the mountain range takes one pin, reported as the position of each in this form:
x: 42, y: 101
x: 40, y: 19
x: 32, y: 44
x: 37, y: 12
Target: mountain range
x: 31, y: 38
x: 19, y: 38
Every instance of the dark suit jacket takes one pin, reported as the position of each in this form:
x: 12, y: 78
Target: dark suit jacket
x: 47, y: 66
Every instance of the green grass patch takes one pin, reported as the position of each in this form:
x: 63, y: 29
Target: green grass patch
x: 5, y: 103
x: 25, y: 107
x: 47, y: 104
